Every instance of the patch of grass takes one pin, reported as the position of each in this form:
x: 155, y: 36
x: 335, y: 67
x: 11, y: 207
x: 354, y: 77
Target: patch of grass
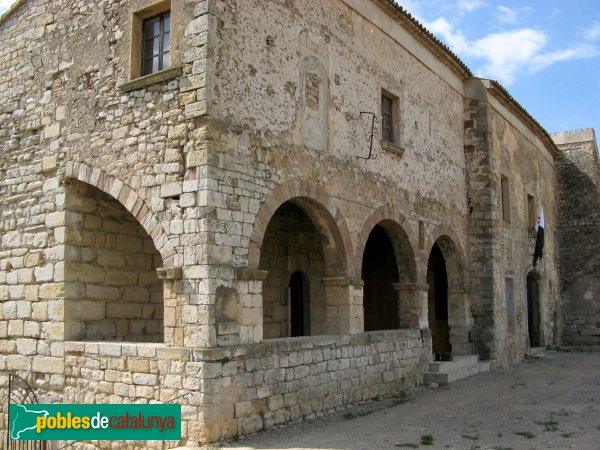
x: 401, y: 398
x: 427, y: 439
x: 350, y: 416
x: 469, y: 436
x: 502, y: 448
x: 563, y: 412
x: 549, y: 425
x: 525, y: 434
x: 568, y: 435
x: 407, y: 445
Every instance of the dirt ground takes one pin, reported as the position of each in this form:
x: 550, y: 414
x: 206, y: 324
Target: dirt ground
x: 548, y: 402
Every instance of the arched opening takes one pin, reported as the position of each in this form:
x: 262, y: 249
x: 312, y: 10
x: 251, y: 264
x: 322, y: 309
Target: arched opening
x: 299, y: 290
x: 533, y: 310
x: 292, y: 253
x: 437, y: 279
x: 112, y: 291
x: 379, y: 273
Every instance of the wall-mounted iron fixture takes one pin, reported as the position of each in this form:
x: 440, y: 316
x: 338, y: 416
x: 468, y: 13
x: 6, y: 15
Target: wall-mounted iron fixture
x: 370, y: 138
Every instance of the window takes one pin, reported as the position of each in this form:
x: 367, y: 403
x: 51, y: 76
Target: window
x: 531, y: 218
x: 505, y: 192
x: 156, y: 43
x: 387, y: 118
x: 390, y: 123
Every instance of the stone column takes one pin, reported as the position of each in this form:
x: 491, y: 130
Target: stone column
x: 344, y: 305
x: 458, y: 321
x: 412, y: 305
x: 251, y: 304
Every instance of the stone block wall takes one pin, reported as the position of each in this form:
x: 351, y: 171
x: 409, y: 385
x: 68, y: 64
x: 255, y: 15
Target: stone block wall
x: 256, y: 387
x: 112, y: 288
x: 578, y: 173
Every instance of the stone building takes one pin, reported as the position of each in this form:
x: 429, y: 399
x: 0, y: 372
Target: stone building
x: 578, y: 172
x: 265, y: 222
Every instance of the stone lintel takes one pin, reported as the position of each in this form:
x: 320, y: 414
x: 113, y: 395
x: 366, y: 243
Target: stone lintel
x: 169, y: 273
x: 243, y: 273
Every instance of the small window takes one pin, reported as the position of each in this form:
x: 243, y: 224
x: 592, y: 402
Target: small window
x: 531, y: 218
x: 156, y: 41
x: 387, y: 118
x: 505, y: 186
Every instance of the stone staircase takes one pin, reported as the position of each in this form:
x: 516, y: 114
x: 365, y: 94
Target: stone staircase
x: 444, y: 372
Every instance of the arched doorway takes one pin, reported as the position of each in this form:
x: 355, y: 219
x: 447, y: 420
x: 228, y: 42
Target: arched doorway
x: 533, y: 310
x: 379, y: 273
x: 437, y: 279
x: 299, y: 291
x: 293, y: 252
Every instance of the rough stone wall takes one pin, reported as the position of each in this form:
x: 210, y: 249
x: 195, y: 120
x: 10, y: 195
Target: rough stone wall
x: 260, y: 386
x: 112, y: 291
x: 578, y: 172
x: 502, y: 247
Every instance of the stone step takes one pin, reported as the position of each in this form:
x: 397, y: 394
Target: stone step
x: 444, y: 372
x: 457, y: 363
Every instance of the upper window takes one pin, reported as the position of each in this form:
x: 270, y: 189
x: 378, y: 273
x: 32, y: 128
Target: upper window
x: 156, y: 41
x: 387, y: 118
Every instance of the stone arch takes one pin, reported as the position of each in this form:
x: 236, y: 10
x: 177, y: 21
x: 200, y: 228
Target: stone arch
x: 130, y: 200
x: 111, y: 287
x: 458, y: 318
x: 323, y: 212
x: 453, y: 254
x: 395, y: 226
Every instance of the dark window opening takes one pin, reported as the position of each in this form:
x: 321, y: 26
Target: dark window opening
x: 156, y: 41
x: 298, y: 294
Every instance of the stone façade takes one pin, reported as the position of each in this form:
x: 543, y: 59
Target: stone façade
x: 148, y: 226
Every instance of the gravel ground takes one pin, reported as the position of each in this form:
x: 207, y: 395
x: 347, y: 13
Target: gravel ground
x: 549, y: 402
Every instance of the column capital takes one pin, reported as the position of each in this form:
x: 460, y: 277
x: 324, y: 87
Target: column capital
x: 243, y: 273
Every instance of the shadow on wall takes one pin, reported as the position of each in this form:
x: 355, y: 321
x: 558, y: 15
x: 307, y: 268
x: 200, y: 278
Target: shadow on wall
x: 578, y: 233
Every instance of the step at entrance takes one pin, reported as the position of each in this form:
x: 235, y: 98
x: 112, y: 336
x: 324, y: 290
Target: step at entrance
x: 444, y: 372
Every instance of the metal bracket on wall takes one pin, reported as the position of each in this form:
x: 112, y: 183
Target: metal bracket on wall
x: 370, y: 138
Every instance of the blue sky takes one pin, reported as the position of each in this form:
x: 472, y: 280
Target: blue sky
x: 546, y: 53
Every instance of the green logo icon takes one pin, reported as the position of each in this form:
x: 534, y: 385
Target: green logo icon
x: 95, y: 422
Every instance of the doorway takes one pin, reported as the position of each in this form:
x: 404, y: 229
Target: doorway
x: 437, y: 278
x: 299, y: 290
x: 533, y: 310
x: 380, y: 272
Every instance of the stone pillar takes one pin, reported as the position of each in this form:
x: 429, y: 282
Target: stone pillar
x: 173, y: 325
x: 458, y: 321
x: 344, y: 305
x: 251, y: 305
x: 412, y: 305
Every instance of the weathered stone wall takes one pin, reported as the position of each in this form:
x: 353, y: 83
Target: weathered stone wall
x: 578, y: 172
x: 498, y: 145
x: 260, y: 386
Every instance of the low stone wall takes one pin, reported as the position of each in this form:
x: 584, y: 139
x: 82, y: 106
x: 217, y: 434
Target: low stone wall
x: 251, y: 388
x: 99, y: 372
x: 243, y: 389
